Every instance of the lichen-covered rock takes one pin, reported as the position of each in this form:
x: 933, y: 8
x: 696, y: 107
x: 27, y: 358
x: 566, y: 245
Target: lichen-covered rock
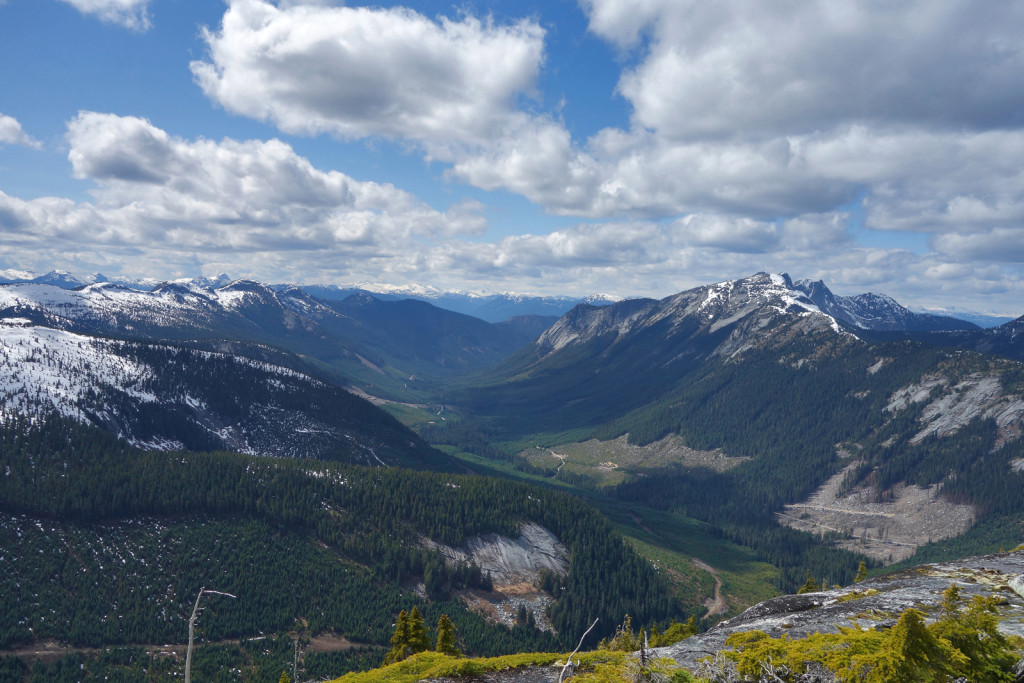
x: 876, y: 603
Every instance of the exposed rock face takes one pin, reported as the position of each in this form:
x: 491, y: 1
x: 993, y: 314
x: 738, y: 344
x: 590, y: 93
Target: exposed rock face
x: 952, y: 407
x: 511, y: 560
x: 874, y: 603
x: 514, y: 565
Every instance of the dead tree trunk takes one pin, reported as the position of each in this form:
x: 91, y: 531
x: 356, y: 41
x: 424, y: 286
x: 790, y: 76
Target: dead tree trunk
x: 192, y: 630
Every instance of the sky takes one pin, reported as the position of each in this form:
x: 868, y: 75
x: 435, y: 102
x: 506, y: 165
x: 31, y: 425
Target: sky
x: 625, y: 147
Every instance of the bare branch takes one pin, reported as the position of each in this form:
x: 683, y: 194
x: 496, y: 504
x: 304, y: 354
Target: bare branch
x: 560, y: 675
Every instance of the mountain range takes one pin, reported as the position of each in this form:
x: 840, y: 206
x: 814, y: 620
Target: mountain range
x: 488, y: 306
x: 742, y: 413
x: 389, y: 348
x: 497, y: 307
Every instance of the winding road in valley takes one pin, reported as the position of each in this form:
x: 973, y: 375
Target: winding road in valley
x: 715, y: 605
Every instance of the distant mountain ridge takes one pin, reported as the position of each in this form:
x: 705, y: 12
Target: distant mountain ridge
x: 868, y: 310
x: 491, y: 307
x: 390, y: 348
x: 706, y: 309
x: 172, y: 398
x: 876, y: 311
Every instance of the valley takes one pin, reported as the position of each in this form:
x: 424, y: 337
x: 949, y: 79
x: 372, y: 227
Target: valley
x: 668, y: 459
x: 608, y: 463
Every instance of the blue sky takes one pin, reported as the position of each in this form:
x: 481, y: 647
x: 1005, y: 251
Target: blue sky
x: 630, y: 147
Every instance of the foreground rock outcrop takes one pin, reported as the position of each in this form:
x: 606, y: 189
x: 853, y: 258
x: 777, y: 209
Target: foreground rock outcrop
x: 875, y: 603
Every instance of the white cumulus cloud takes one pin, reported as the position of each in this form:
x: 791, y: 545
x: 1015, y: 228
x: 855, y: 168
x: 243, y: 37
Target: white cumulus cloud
x: 156, y: 193
x: 11, y: 133
x: 131, y: 14
x: 357, y: 71
x: 749, y: 69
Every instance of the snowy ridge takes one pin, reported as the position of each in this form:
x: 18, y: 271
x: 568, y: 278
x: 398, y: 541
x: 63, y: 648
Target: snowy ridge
x: 875, y: 311
x: 175, y: 306
x: 489, y: 305
x: 46, y: 370
x: 711, y: 308
x: 66, y: 280
x: 166, y: 398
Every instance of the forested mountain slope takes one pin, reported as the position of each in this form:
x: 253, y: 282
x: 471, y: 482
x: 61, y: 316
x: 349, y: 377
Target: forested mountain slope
x: 105, y: 544
x: 754, y: 370
x: 168, y: 397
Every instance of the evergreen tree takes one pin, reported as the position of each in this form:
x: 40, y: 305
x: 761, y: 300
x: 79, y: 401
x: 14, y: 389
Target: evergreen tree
x: 446, y: 637
x: 400, y: 639
x: 974, y: 631
x: 911, y: 652
x: 418, y: 641
x: 675, y: 632
x: 285, y: 678
x: 810, y: 585
x: 862, y: 572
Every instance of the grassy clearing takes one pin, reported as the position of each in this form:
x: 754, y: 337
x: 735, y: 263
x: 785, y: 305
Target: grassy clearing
x: 597, y: 464
x: 435, y: 665
x: 745, y: 580
x: 410, y: 415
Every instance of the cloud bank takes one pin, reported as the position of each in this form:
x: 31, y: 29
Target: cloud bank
x: 157, y: 193
x: 760, y: 136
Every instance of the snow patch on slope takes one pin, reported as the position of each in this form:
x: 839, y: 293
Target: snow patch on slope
x: 42, y: 369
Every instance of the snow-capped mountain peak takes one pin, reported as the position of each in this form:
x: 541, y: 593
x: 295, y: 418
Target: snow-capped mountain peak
x: 705, y: 310
x: 877, y: 312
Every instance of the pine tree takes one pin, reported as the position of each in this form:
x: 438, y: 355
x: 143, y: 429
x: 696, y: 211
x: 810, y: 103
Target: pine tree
x: 974, y: 631
x: 862, y: 572
x: 446, y: 637
x: 400, y: 639
x: 418, y: 641
x: 285, y: 678
x: 911, y: 652
x: 810, y: 585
